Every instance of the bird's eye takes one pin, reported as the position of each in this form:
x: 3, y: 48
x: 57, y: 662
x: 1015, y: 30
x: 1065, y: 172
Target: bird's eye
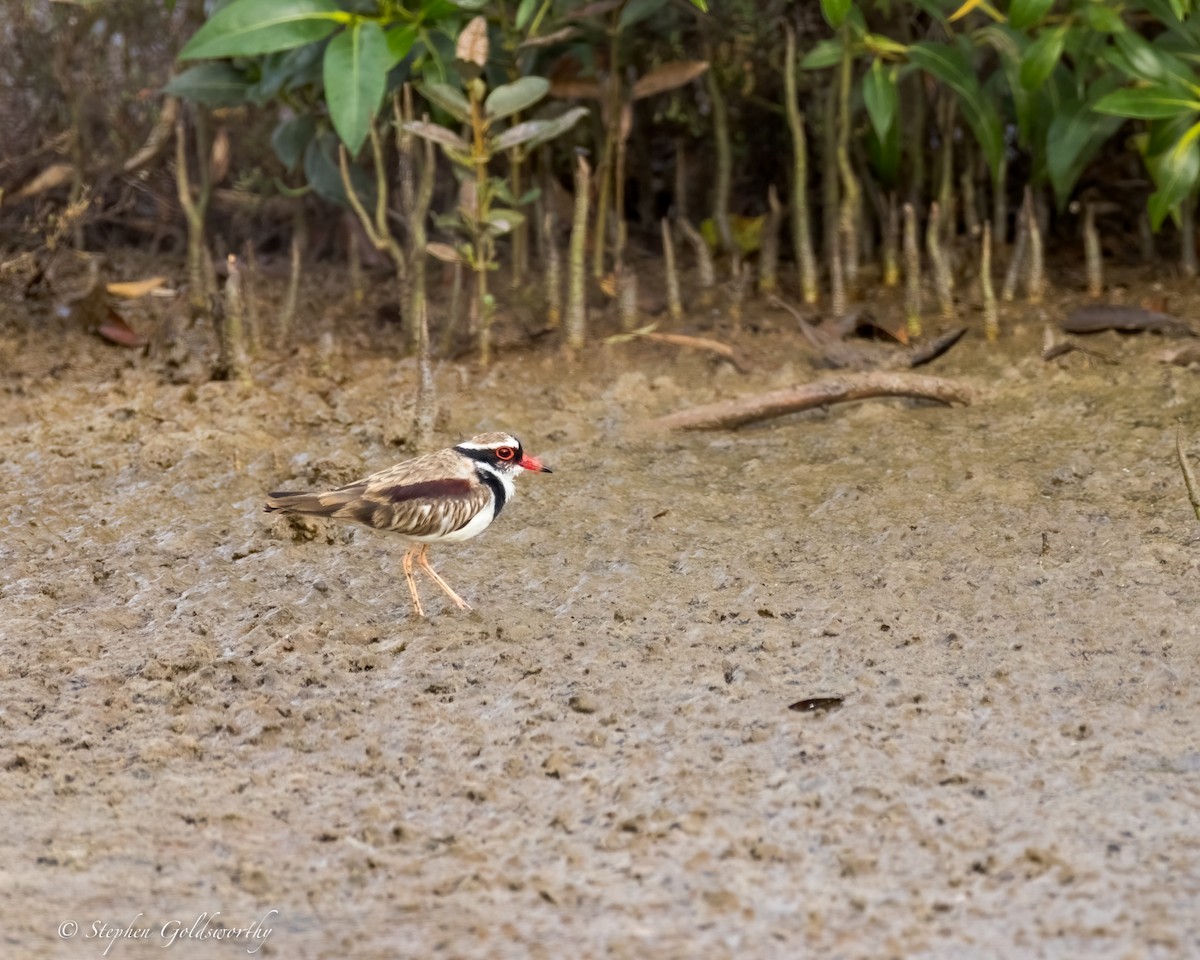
x: 505, y: 453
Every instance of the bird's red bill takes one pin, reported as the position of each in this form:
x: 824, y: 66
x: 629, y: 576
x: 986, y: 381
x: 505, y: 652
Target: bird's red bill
x: 533, y: 463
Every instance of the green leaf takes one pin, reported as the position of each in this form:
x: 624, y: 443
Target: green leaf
x: 356, y: 66
x: 525, y: 12
x: 531, y: 133
x: 503, y: 221
x: 1103, y: 19
x: 400, y: 42
x: 292, y: 137
x: 836, y: 11
x: 322, y: 171
x: 1145, y: 61
x: 514, y: 97
x: 1028, y: 13
x: 1074, y: 137
x: 471, y: 6
x: 1042, y: 57
x: 287, y: 70
x: 826, y: 53
x: 880, y: 96
x: 635, y: 11
x: 250, y: 27
x: 1175, y: 173
x: 1146, y: 103
x: 949, y: 65
x: 214, y: 84
x: 438, y: 134
x: 884, y: 154
x: 449, y: 98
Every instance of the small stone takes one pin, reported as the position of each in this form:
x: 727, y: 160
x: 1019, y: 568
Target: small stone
x: 584, y: 703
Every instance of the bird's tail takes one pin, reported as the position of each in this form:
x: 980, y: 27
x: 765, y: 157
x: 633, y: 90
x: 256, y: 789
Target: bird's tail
x: 307, y: 504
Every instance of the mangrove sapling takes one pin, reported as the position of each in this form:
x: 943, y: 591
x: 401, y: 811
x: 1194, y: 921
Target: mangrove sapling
x: 991, y: 316
x: 195, y: 208
x: 231, y: 362
x: 830, y: 191
x: 1016, y: 263
x: 1093, y: 258
x: 674, y: 300
x: 891, y: 243
x: 724, y: 171
x: 970, y: 203
x: 627, y: 296
x: 947, y: 108
x: 477, y: 216
x: 768, y: 251
x: 287, y: 314
x: 737, y: 292
x: 837, y: 282
x: 943, y: 279
x: 358, y: 288
x: 912, y: 273
x: 617, y: 115
x: 987, y: 291
x: 851, y: 191
x: 1000, y: 205
x: 706, y: 276
x: 1035, y: 278
x: 416, y: 204
x: 1187, y: 233
x: 806, y: 264
x: 552, y: 254
x: 250, y: 283
x: 576, y: 320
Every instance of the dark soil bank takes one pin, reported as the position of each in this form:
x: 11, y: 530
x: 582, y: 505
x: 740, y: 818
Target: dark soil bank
x: 206, y: 712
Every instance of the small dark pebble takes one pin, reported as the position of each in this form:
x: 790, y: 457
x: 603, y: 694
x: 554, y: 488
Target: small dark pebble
x: 816, y: 704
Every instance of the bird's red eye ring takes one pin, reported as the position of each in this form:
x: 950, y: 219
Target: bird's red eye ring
x: 505, y: 453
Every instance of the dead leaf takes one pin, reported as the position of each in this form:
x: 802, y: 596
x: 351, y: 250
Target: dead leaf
x: 220, y: 155
x: 668, y: 76
x: 626, y: 120
x: 134, y: 289
x: 558, y: 36
x: 573, y: 89
x: 115, y: 330
x: 443, y: 252
x: 472, y: 44
x: 55, y: 175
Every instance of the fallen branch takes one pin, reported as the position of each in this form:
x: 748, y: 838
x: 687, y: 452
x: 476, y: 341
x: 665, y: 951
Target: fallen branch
x: 839, y: 389
x: 679, y: 340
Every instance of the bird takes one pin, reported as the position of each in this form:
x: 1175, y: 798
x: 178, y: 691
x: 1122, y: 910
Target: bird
x: 446, y: 496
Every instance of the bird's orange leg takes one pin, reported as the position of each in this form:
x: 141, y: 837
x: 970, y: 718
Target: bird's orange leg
x: 412, y: 583
x: 424, y: 562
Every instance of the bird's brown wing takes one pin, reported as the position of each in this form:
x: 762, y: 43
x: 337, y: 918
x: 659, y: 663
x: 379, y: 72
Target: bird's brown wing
x: 426, y: 508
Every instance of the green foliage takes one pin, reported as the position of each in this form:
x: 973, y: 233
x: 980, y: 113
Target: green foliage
x: 355, y: 69
x: 949, y: 64
x: 1061, y: 79
x: 251, y: 27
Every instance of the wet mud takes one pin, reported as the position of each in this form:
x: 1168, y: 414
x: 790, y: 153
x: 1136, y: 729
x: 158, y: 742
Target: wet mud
x: 207, y: 712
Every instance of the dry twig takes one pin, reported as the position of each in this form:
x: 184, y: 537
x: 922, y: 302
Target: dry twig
x: 840, y: 389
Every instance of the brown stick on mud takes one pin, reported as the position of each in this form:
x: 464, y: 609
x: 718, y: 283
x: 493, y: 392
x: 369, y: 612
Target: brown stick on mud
x: 729, y: 414
x: 1189, y: 478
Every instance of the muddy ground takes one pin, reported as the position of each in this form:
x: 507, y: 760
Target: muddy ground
x: 210, y: 719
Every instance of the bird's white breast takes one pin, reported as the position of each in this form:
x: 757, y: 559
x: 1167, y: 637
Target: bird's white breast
x: 480, y: 522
